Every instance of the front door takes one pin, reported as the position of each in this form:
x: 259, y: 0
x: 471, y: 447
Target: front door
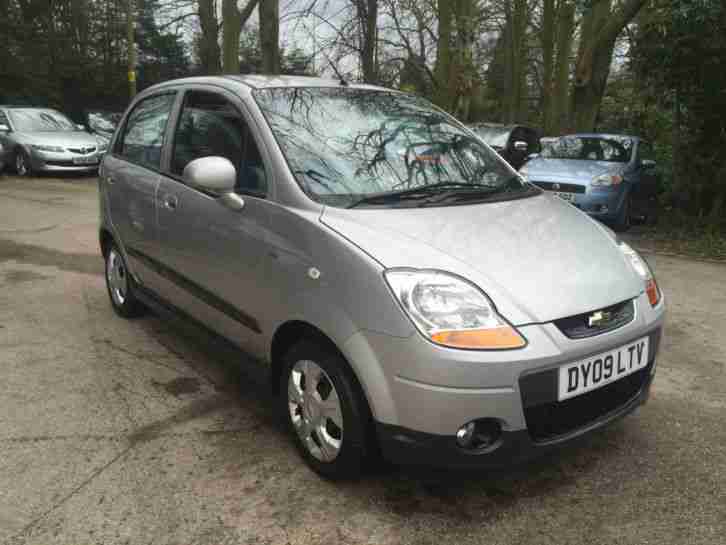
x: 213, y: 254
x: 130, y: 178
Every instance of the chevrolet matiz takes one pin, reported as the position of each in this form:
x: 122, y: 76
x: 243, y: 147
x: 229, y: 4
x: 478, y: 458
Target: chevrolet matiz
x: 407, y: 291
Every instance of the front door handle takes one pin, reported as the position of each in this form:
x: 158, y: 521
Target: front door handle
x: 170, y: 202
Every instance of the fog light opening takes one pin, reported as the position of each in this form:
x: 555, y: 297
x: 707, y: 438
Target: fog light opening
x: 479, y: 434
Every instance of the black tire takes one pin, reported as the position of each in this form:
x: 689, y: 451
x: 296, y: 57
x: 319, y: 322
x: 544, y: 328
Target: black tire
x: 22, y: 164
x: 623, y: 220
x: 124, y: 302
x: 355, y: 440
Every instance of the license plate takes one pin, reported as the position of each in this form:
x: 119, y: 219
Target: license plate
x: 569, y: 197
x: 597, y: 371
x: 92, y: 160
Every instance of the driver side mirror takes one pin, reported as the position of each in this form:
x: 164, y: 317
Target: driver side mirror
x: 216, y: 175
x: 521, y: 145
x: 648, y: 164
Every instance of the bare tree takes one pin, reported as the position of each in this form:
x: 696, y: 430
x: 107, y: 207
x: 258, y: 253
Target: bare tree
x: 601, y: 26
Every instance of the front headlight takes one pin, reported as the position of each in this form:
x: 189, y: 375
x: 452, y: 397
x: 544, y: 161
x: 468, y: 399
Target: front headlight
x: 41, y: 147
x: 607, y: 180
x: 641, y: 267
x: 450, y: 311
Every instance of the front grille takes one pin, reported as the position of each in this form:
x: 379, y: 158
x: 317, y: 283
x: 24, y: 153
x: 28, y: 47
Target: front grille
x: 614, y: 317
x: 82, y: 151
x: 60, y: 163
x: 548, y: 421
x: 563, y: 188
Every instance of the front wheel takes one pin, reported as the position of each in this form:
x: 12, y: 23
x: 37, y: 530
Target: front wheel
x: 623, y: 220
x: 23, y: 166
x: 325, y: 410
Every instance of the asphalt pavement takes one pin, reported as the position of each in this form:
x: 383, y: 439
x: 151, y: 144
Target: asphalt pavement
x: 148, y: 431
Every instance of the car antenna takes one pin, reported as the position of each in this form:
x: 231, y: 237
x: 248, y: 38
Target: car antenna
x: 340, y: 77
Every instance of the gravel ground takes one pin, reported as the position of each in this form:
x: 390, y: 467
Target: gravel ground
x: 147, y: 431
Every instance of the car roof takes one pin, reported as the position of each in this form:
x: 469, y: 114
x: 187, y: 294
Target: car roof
x: 602, y: 135
x: 258, y: 81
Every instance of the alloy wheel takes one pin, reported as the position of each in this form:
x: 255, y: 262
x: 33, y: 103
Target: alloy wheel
x: 116, y: 277
x: 315, y: 410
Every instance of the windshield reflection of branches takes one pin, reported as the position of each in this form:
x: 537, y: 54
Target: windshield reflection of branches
x: 358, y: 142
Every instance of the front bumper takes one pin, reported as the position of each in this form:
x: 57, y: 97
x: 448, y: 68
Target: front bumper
x: 410, y: 447
x: 66, y: 161
x: 428, y: 392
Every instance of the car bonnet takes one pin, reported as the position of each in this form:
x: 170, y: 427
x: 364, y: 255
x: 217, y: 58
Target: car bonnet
x: 538, y: 259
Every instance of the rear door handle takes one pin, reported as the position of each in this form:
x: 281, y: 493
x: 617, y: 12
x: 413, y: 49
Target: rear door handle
x: 170, y: 202
x: 110, y: 180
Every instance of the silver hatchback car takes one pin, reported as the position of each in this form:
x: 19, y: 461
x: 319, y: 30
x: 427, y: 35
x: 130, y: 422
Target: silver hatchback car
x: 407, y: 290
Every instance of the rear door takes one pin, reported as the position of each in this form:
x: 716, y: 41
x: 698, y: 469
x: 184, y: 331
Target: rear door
x: 130, y: 180
x: 213, y: 255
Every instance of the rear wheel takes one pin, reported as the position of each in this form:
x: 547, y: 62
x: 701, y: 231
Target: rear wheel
x: 324, y: 409
x: 22, y: 163
x: 120, y: 285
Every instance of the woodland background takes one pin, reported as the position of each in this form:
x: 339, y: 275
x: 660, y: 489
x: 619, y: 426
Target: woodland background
x: 656, y: 68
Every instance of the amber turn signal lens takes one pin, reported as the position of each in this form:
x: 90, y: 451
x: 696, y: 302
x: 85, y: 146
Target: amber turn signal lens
x: 495, y: 338
x: 651, y: 288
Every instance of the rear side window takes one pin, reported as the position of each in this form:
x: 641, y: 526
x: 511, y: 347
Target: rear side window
x: 143, y: 137
x: 4, y: 119
x: 209, y: 125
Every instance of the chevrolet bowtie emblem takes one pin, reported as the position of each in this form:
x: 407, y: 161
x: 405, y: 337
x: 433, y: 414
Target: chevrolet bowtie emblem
x: 598, y: 318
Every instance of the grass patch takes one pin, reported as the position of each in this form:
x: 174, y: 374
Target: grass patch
x: 680, y: 234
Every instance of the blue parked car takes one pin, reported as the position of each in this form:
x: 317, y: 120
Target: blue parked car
x: 610, y: 177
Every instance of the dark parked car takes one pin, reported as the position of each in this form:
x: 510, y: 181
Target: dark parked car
x: 515, y: 143
x: 102, y: 123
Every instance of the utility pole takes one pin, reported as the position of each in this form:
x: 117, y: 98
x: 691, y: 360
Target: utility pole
x: 131, y: 47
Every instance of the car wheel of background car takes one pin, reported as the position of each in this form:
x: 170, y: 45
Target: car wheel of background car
x: 22, y: 163
x: 325, y: 410
x: 120, y: 286
x: 622, y: 223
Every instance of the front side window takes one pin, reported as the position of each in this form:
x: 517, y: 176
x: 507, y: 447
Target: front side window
x: 591, y: 148
x: 210, y: 125
x: 143, y: 137
x: 38, y: 120
x: 357, y: 146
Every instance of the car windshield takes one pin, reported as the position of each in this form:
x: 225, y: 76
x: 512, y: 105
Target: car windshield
x: 590, y: 148
x: 494, y: 136
x: 345, y: 145
x: 34, y: 120
x: 102, y: 121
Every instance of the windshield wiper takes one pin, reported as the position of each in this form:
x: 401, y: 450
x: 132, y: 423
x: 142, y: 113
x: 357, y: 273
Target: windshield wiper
x: 424, y: 192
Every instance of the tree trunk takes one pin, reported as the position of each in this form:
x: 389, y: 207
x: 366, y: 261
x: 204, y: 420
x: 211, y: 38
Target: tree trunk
x: 270, y: 36
x: 367, y: 13
x: 600, y: 29
x: 232, y: 22
x: 131, y: 47
x: 209, y: 51
x: 465, y: 71
x: 547, y: 37
x: 517, y: 26
x: 559, y: 104
x: 442, y: 71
